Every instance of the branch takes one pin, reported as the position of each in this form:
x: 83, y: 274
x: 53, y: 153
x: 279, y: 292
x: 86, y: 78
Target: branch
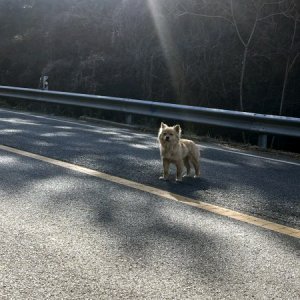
x: 205, y: 16
x: 293, y: 62
x: 271, y: 15
x: 283, y: 12
x: 273, y: 3
x: 252, y: 31
x: 235, y: 25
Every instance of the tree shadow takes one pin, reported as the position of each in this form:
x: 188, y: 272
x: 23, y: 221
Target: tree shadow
x: 152, y: 232
x: 144, y: 228
x: 236, y: 182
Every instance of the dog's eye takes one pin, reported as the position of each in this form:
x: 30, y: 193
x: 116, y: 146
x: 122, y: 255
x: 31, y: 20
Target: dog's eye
x: 171, y: 134
x: 165, y: 133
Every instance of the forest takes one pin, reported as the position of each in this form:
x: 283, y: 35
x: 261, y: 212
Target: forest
x: 231, y: 54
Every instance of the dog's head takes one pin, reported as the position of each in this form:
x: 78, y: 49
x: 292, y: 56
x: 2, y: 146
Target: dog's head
x: 169, y: 135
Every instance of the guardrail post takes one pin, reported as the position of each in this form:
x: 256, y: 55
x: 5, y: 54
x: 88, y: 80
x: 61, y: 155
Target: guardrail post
x: 262, y: 141
x: 129, y: 119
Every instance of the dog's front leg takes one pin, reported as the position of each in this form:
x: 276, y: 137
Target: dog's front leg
x: 179, y: 166
x: 166, y: 165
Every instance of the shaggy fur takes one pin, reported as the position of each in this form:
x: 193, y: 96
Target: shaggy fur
x: 180, y: 152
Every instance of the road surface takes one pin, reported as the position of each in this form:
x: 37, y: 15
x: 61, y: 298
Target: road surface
x: 70, y: 234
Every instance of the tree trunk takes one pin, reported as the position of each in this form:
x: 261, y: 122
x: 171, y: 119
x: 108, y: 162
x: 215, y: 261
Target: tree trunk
x: 287, y: 68
x: 243, y: 77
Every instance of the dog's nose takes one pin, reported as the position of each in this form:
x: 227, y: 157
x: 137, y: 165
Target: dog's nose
x: 167, y: 138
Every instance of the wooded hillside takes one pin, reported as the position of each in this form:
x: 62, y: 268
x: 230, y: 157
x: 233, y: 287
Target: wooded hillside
x: 231, y: 54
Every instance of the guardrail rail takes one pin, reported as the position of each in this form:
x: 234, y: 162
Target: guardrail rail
x: 262, y: 124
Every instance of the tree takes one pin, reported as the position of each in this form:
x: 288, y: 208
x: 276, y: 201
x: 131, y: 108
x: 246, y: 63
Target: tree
x: 244, y: 16
x: 293, y: 52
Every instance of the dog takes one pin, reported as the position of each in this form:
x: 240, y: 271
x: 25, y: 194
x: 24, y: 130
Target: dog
x: 174, y: 150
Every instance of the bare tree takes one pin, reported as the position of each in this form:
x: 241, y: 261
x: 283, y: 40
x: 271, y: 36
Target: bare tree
x: 244, y: 24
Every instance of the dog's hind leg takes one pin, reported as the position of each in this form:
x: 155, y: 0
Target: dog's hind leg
x: 195, y: 162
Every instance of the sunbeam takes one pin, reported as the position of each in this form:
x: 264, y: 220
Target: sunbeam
x: 168, y: 45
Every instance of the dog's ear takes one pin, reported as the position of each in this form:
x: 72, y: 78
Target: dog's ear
x: 163, y: 125
x: 177, y: 129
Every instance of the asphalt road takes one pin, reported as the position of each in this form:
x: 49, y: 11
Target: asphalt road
x: 66, y: 235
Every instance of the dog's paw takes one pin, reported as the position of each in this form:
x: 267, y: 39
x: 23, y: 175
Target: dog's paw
x: 178, y: 179
x: 187, y: 175
x: 197, y: 176
x: 163, y: 178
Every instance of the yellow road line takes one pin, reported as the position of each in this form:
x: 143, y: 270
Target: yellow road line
x: 164, y: 194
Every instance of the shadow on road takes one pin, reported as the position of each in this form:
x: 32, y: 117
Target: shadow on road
x: 245, y: 184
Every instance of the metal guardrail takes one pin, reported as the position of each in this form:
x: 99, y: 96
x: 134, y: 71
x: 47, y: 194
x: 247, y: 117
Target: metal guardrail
x: 262, y: 124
